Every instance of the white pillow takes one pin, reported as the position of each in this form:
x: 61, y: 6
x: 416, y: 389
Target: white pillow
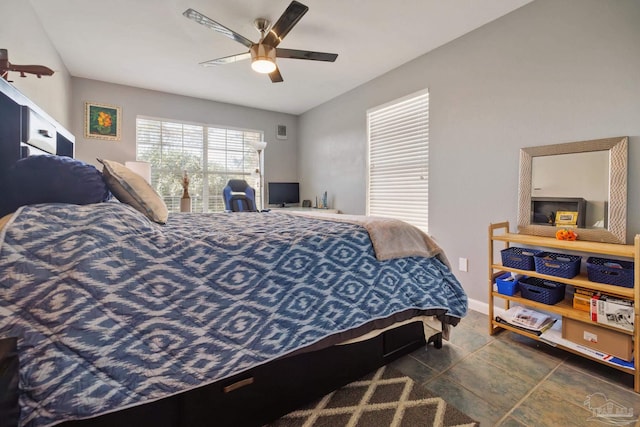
x: 134, y: 190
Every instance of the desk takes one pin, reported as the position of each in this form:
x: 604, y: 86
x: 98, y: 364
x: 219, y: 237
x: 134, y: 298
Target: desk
x: 307, y: 210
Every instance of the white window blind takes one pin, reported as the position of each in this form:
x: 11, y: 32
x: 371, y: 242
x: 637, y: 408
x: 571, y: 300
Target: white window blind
x: 210, y: 155
x: 398, y: 160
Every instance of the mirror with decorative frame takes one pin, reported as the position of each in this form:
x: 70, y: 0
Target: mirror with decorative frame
x: 584, y: 181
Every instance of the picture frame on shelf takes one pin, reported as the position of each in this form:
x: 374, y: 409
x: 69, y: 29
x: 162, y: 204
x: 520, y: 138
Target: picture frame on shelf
x: 566, y: 218
x: 102, y: 121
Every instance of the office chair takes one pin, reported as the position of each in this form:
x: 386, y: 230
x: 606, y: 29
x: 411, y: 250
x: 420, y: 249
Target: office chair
x: 239, y: 196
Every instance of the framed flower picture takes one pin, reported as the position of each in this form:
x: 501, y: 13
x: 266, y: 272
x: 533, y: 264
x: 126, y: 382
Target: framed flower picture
x: 102, y: 121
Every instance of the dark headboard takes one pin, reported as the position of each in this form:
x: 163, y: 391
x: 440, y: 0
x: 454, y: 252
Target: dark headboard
x: 26, y: 129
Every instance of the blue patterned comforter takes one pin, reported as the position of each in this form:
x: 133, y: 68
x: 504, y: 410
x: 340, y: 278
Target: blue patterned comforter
x: 113, y: 310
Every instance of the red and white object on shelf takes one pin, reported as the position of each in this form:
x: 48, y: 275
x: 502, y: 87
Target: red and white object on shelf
x: 612, y: 311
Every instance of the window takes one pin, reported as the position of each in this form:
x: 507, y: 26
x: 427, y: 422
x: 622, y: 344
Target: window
x: 210, y: 155
x: 398, y: 160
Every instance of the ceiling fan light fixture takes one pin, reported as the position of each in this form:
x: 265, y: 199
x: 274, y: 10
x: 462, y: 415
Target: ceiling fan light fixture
x: 263, y: 54
x: 263, y: 58
x: 264, y: 66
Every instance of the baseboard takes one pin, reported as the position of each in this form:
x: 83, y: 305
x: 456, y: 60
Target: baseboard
x: 479, y: 306
x: 483, y: 307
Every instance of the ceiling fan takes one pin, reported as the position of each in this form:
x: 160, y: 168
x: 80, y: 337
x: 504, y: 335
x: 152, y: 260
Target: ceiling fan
x: 263, y: 54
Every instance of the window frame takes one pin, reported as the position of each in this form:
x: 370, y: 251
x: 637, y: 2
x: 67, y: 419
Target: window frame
x: 376, y: 116
x: 206, y: 174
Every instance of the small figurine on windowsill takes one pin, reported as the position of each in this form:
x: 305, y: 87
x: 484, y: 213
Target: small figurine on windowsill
x: 185, y: 201
x: 185, y: 186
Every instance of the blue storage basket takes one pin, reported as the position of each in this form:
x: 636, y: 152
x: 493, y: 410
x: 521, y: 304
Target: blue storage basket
x: 540, y: 290
x: 506, y: 286
x: 519, y: 258
x: 560, y: 265
x: 609, y: 271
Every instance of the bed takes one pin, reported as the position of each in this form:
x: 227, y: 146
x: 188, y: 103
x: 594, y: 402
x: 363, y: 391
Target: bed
x: 208, y: 319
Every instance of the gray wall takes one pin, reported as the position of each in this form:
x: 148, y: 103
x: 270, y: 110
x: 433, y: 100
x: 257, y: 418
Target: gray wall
x: 550, y: 72
x: 280, y: 156
x: 22, y: 35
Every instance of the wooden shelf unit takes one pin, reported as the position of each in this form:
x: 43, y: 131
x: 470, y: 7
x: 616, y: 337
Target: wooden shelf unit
x: 499, y: 232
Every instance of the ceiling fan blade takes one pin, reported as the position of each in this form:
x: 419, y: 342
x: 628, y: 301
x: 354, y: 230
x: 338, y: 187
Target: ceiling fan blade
x: 285, y: 23
x: 275, y: 76
x: 226, y: 60
x: 39, y: 70
x: 306, y: 54
x: 208, y: 22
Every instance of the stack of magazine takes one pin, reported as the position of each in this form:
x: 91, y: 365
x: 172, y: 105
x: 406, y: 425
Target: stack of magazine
x: 527, y: 320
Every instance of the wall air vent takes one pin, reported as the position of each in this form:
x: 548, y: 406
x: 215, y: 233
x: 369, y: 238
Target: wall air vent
x: 282, y: 132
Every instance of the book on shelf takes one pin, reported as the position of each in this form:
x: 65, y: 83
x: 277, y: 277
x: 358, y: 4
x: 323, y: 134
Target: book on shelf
x: 538, y: 332
x: 526, y: 319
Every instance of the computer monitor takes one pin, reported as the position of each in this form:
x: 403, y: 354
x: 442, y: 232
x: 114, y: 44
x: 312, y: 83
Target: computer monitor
x: 283, y: 193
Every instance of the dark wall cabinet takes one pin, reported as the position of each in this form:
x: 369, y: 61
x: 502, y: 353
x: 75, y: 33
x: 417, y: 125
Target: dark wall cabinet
x: 26, y: 129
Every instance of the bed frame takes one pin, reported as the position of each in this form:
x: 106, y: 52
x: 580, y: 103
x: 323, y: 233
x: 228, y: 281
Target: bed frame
x: 252, y: 398
x: 270, y: 391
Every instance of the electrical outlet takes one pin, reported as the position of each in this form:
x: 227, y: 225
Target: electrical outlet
x: 463, y: 264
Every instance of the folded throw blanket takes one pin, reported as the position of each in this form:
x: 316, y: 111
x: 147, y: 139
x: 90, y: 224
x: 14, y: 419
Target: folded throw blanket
x: 391, y: 238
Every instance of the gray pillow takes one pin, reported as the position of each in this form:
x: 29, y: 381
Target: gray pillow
x: 132, y: 189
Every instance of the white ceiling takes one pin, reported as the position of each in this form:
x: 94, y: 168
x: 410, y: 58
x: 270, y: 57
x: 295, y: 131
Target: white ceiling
x: 149, y: 44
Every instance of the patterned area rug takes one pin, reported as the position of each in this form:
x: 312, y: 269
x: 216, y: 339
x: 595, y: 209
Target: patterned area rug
x: 382, y: 399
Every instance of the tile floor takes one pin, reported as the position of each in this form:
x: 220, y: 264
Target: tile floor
x: 510, y: 380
